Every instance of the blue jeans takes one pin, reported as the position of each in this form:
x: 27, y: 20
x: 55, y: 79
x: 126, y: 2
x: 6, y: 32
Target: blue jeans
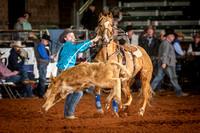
x: 71, y: 102
x: 42, y: 80
x: 171, y: 73
x: 19, y: 78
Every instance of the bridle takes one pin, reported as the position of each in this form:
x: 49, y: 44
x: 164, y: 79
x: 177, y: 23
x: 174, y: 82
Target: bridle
x: 105, y: 30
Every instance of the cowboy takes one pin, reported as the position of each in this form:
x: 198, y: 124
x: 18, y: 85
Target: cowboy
x: 150, y: 42
x: 17, y: 77
x: 131, y: 37
x: 194, y: 50
x: 43, y: 59
x: 67, y: 58
x: 16, y: 58
x: 166, y: 62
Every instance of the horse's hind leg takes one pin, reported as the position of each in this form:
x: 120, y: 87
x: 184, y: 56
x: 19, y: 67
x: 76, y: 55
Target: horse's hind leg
x: 127, y: 93
x: 145, y: 90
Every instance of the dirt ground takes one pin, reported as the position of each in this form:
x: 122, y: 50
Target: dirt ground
x: 167, y: 113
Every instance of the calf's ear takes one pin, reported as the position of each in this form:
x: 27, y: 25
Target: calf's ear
x: 52, y: 77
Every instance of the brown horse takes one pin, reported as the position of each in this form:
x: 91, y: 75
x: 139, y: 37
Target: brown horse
x: 135, y: 57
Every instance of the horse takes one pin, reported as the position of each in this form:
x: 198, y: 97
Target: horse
x: 137, y: 62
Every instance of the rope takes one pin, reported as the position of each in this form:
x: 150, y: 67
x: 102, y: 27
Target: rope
x: 76, y: 53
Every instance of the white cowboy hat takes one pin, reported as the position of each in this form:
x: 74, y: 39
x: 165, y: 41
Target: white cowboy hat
x: 18, y: 44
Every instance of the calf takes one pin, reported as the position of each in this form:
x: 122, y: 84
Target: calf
x: 84, y: 76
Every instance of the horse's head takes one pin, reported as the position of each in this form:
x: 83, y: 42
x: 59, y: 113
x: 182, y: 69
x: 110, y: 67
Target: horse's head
x: 105, y: 27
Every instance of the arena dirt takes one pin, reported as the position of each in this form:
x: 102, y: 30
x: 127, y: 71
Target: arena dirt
x: 167, y: 113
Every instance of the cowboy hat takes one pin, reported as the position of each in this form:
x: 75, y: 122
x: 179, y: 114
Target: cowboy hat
x: 169, y: 31
x: 197, y: 35
x: 180, y: 34
x: 46, y: 37
x: 18, y: 44
x: 150, y: 27
x: 128, y: 28
x: 66, y: 31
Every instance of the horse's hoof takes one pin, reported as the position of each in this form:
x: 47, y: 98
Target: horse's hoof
x: 141, y: 112
x: 100, y: 111
x: 115, y: 115
x: 107, y: 106
x: 125, y: 106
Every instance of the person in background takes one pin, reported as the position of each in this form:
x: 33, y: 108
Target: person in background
x: 151, y: 45
x: 131, y: 37
x: 150, y: 42
x: 43, y: 59
x: 106, y: 11
x: 179, y: 52
x: 194, y: 50
x: 19, y: 26
x: 194, y: 47
x: 161, y: 38
x: 26, y: 24
x: 166, y: 62
x: 116, y: 14
x: 16, y: 58
x: 17, y: 77
x: 90, y: 22
x: 67, y: 58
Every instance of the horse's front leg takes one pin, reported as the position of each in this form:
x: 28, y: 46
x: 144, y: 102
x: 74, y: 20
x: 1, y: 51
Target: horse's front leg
x: 97, y: 92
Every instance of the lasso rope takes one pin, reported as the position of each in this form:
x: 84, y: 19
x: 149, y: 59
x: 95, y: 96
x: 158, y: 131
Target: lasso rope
x: 75, y: 53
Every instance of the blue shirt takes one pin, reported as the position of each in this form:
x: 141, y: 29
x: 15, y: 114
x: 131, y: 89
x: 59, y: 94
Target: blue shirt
x: 42, y: 51
x: 69, y: 53
x: 177, y: 47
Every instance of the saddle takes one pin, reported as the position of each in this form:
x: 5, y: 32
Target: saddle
x: 133, y: 50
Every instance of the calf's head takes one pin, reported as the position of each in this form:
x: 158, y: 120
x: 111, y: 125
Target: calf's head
x: 56, y: 91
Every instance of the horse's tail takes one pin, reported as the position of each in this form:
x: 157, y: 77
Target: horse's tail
x: 121, y: 67
x: 150, y: 94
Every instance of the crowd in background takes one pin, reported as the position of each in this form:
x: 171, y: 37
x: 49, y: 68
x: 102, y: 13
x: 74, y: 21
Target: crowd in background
x: 150, y: 41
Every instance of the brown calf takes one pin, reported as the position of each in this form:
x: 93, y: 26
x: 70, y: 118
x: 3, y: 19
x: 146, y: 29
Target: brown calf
x: 84, y: 76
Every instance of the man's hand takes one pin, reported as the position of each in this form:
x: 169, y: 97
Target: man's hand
x: 53, y: 56
x: 21, y: 54
x: 164, y: 66
x: 15, y: 72
x: 96, y: 39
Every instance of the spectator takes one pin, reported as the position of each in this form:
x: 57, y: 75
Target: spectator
x: 19, y: 26
x: 178, y: 51
x: 67, y: 58
x: 131, y: 37
x: 43, y: 59
x: 194, y: 47
x: 26, y: 24
x: 90, y: 22
x: 167, y: 64
x: 150, y: 42
x: 194, y: 50
x: 161, y: 36
x: 177, y: 44
x: 106, y: 11
x: 116, y: 13
x: 17, y: 77
x: 16, y: 58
